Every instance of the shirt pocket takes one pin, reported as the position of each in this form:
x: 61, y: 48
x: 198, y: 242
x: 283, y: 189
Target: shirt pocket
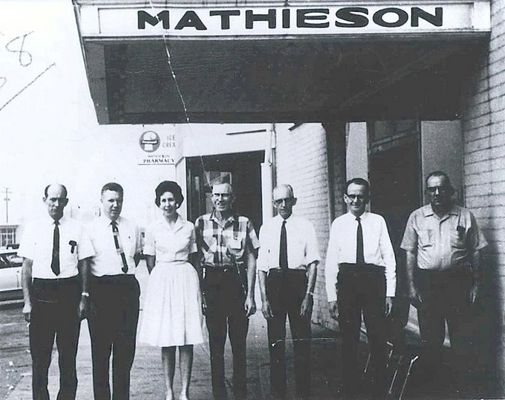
x: 458, y: 237
x: 68, y: 252
x: 129, y: 245
x: 426, y: 238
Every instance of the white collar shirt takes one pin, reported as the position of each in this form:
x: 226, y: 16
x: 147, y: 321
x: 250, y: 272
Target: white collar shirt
x: 107, y: 260
x: 37, y: 246
x: 302, y: 243
x: 377, y: 248
x: 170, y: 244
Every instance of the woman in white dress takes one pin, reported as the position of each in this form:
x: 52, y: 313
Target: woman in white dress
x: 172, y: 313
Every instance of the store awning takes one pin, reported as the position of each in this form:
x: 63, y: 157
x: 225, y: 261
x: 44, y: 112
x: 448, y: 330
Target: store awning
x: 156, y: 63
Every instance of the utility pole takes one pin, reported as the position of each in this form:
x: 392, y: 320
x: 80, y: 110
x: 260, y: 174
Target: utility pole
x: 7, y: 199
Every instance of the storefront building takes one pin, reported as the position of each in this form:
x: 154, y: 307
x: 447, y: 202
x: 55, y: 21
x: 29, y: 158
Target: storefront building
x: 377, y: 89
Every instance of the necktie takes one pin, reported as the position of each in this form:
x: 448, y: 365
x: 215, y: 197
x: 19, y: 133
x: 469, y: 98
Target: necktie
x: 360, y: 254
x: 55, y: 260
x: 283, y: 249
x: 119, y: 248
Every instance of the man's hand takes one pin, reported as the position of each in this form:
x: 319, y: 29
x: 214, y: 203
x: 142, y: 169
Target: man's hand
x: 204, y: 305
x: 415, y: 297
x: 250, y: 306
x: 266, y: 309
x: 389, y: 305
x: 83, y: 307
x: 27, y: 312
x: 332, y: 305
x: 474, y: 292
x: 306, y: 307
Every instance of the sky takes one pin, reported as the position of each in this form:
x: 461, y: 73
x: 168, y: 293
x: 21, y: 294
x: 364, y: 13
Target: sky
x: 48, y: 126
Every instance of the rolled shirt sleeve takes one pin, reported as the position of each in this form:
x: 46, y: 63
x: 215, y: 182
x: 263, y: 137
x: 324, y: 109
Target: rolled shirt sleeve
x: 149, y: 245
x: 389, y: 259
x: 262, y: 264
x: 331, y: 265
x: 85, y: 247
x: 312, y: 248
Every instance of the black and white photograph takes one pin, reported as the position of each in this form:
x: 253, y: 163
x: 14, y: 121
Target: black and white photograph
x: 252, y: 199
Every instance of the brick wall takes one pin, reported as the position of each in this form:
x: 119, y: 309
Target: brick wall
x: 484, y: 175
x: 302, y: 161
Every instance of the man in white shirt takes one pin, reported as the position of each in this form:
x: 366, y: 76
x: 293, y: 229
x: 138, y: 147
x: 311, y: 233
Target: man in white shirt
x: 287, y: 262
x: 360, y: 278
x: 55, y: 271
x: 115, y: 295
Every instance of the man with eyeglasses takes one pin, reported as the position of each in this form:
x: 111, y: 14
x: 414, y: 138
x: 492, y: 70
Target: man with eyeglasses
x: 287, y: 261
x: 55, y: 270
x: 443, y: 244
x: 360, y: 279
x: 227, y: 245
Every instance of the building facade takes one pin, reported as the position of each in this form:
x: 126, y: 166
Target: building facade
x: 382, y: 90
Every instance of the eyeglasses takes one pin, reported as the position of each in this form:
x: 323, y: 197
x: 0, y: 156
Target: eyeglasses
x: 287, y: 200
x: 357, y: 197
x: 223, y: 195
x: 441, y: 189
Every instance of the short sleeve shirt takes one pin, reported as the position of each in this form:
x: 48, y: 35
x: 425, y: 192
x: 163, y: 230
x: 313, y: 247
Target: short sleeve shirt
x: 170, y: 244
x: 222, y: 243
x: 302, y: 244
x: 37, y: 245
x: 107, y: 260
x: 442, y: 243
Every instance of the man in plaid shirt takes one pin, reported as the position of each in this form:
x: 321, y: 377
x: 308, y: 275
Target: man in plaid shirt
x: 227, y: 247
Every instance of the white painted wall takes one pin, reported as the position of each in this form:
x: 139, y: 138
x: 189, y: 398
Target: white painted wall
x: 357, y: 150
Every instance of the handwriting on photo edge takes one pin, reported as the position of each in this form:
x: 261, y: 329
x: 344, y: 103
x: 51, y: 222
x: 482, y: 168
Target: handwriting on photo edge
x: 16, y: 46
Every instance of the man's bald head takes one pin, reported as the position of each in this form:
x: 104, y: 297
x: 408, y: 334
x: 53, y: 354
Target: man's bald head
x: 55, y: 198
x: 284, y: 200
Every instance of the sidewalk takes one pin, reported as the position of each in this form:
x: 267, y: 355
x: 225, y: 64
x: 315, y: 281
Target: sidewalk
x: 147, y: 376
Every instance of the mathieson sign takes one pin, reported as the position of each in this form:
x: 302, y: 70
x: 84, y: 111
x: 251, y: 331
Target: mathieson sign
x: 288, y: 21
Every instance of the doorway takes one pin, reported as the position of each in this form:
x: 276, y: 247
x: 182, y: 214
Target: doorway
x: 241, y: 170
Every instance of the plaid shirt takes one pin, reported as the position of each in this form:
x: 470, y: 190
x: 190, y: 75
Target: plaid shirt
x: 222, y: 244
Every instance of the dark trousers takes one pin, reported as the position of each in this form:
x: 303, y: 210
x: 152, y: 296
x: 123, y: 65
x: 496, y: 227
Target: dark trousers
x: 362, y: 289
x: 445, y: 296
x: 285, y: 292
x: 225, y: 297
x: 113, y: 327
x: 54, y: 315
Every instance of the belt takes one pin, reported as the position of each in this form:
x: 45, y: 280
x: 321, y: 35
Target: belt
x: 225, y: 268
x: 348, y: 267
x: 292, y: 271
x: 460, y: 269
x: 112, y: 278
x: 56, y: 280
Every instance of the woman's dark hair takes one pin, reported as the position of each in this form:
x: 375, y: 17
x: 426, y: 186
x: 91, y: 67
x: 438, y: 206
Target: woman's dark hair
x: 169, y: 186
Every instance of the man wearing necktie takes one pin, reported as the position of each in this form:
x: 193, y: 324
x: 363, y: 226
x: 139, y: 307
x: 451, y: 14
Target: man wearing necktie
x: 55, y: 270
x: 287, y: 262
x: 114, y: 294
x: 360, y: 276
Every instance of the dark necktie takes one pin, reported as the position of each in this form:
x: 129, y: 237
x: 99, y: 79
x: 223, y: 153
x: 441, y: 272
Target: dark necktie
x: 283, y: 249
x: 360, y: 254
x: 119, y: 248
x: 55, y: 260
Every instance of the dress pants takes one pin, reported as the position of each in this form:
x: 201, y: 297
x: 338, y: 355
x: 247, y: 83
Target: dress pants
x: 362, y: 289
x: 113, y: 328
x: 225, y: 296
x: 445, y: 297
x: 54, y: 315
x: 285, y: 292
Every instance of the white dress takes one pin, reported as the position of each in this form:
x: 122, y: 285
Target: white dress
x: 172, y: 314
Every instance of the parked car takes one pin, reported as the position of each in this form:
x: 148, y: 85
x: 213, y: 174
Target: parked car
x: 10, y: 273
